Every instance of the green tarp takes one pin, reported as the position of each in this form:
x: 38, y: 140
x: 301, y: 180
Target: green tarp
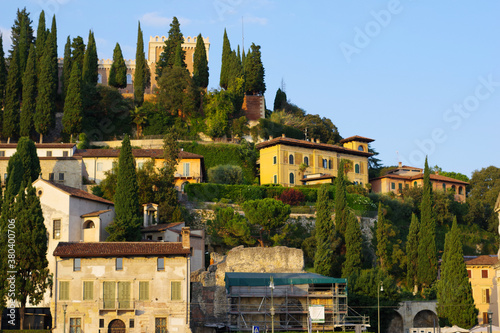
x: 280, y: 279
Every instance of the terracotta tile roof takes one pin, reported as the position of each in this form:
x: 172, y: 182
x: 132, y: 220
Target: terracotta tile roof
x: 118, y: 249
x: 153, y: 153
x: 97, y: 213
x: 356, y: 138
x: 74, y: 192
x: 40, y: 145
x: 310, y: 145
x: 483, y: 260
x: 160, y: 227
x: 421, y: 176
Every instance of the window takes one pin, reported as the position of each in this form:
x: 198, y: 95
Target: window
x: 131, y: 323
x: 89, y: 225
x: 175, y: 291
x: 356, y: 168
x: 325, y: 163
x: 88, y: 290
x: 143, y: 291
x: 486, y: 296
x: 64, y: 290
x: 290, y: 159
x: 119, y: 264
x: 140, y: 165
x: 56, y: 227
x: 124, y: 295
x: 101, y: 323
x: 444, y: 186
x: 484, y: 273
x: 75, y: 325
x: 330, y: 164
x: 77, y: 264
x: 108, y: 294
x: 360, y: 148
x: 65, y: 154
x: 99, y: 166
x: 400, y: 186
x: 275, y: 160
x: 275, y: 179
x: 160, y: 325
x: 292, y: 178
x: 51, y: 176
x: 49, y: 153
x: 393, y: 186
x: 485, y: 318
x: 160, y: 263
x: 61, y: 176
x: 2, y: 153
x: 306, y: 160
x: 414, y: 184
x: 99, y: 78
x: 460, y: 190
x: 469, y: 273
x: 186, y: 170
x: 160, y: 238
x: 129, y: 78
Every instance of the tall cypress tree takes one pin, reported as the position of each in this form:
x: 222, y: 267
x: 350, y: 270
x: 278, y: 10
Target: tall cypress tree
x: 384, y: 231
x: 78, y: 52
x: 41, y: 38
x: 427, y: 260
x: 280, y: 100
x: 226, y: 62
x: 29, y: 159
x: 455, y: 301
x: 21, y: 33
x: 118, y: 71
x: 354, y: 247
x: 412, y: 253
x: 325, y: 234
x: 73, y: 106
x: 200, y: 64
x: 67, y: 66
x: 3, y: 73
x: 46, y: 100
x: 167, y: 57
x: 340, y: 200
x: 254, y: 72
x: 127, y: 223
x: 90, y: 62
x: 28, y: 107
x: 54, y: 67
x: 140, y: 69
x: 12, y: 96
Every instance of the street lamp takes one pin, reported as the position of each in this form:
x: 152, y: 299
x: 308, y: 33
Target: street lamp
x: 490, y: 319
x: 65, y: 306
x: 271, y: 285
x: 379, y: 289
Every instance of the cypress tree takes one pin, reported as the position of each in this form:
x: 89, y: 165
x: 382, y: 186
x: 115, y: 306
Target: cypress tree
x: 200, y: 64
x: 41, y: 38
x: 455, y: 301
x: 54, y: 67
x: 24, y: 45
x: 280, y: 100
x: 254, y: 72
x: 127, y: 223
x: 29, y: 95
x: 12, y: 96
x: 235, y: 69
x: 73, y: 106
x: 21, y: 33
x: 140, y: 69
x: 90, y: 63
x: 118, y: 71
x: 15, y: 175
x: 427, y: 260
x: 78, y: 52
x: 325, y: 233
x: 45, y: 102
x: 340, y: 200
x: 67, y: 66
x: 3, y: 73
x: 167, y: 57
x: 354, y: 247
x: 412, y: 253
x: 226, y: 62
x: 29, y: 159
x: 384, y: 231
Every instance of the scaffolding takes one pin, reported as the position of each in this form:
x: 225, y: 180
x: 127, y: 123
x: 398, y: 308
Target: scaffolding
x: 252, y: 300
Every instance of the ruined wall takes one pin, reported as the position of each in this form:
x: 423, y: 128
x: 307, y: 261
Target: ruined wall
x: 208, y: 293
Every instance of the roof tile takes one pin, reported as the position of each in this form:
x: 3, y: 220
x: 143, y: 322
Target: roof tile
x: 117, y: 249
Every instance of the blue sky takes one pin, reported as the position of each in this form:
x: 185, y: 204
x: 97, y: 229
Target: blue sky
x: 418, y: 77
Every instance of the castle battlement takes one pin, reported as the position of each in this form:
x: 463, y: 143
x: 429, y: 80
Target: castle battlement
x: 187, y: 39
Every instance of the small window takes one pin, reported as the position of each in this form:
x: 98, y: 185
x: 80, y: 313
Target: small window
x: 77, y: 264
x: 131, y: 323
x: 101, y: 323
x: 51, y: 176
x: 61, y: 176
x: 186, y: 167
x: 160, y: 238
x: 325, y: 163
x: 129, y: 78
x: 89, y: 225
x: 2, y: 153
x: 460, y: 190
x: 360, y: 148
x: 469, y: 273
x: 292, y: 178
x: 161, y: 325
x: 356, y: 168
x: 99, y: 166
x: 143, y: 291
x: 160, y: 264
x: 275, y: 179
x: 64, y: 290
x: 330, y: 164
x: 275, y: 160
x: 65, y: 154
x: 56, y: 229
x: 290, y: 159
x: 444, y: 186
x: 99, y: 78
x: 149, y: 237
x: 119, y: 264
x: 75, y: 325
x: 484, y: 273
x: 486, y: 296
x: 49, y: 153
x: 415, y: 184
x: 393, y: 186
x: 88, y: 290
x: 306, y: 160
x: 400, y: 186
x: 175, y: 291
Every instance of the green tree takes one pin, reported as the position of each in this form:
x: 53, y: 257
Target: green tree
x: 90, y: 62
x: 341, y: 209
x: 225, y: 174
x: 167, y: 57
x: 118, y: 71
x: 15, y: 174
x: 78, y: 51
x: 28, y: 107
x: 280, y: 100
x: 127, y: 223
x: 226, y: 61
x: 41, y: 38
x: 54, y: 66
x: 3, y: 73
x: 29, y: 159
x: 141, y: 69
x: 384, y: 232
x: 200, y: 64
x: 267, y: 216
x: 455, y: 301
x: 21, y: 34
x: 12, y: 96
x: 166, y: 195
x: 427, y: 260
x: 254, y: 72
x: 485, y: 188
x: 73, y: 105
x: 325, y: 234
x: 67, y: 66
x: 46, y: 100
x: 218, y: 107
x: 229, y: 229
x: 412, y: 253
x: 354, y: 247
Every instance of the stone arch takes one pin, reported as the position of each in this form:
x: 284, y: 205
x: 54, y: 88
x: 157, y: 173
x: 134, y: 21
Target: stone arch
x: 116, y: 326
x: 425, y: 318
x: 183, y: 185
x: 396, y: 324
x: 89, y: 224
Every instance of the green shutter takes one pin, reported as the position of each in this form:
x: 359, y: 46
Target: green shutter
x: 109, y: 294
x: 144, y: 291
x: 64, y: 290
x: 176, y: 291
x: 124, y: 295
x: 88, y: 290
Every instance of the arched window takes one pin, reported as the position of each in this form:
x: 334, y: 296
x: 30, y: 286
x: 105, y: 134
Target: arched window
x: 129, y: 78
x: 306, y: 160
x: 460, y: 190
x: 444, y: 187
x: 454, y: 188
x: 89, y: 225
x: 356, y: 168
x: 292, y: 178
x: 360, y: 148
x: 414, y: 184
x: 290, y: 159
x: 330, y: 164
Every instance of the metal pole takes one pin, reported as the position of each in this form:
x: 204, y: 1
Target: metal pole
x: 380, y: 288
x: 272, y: 305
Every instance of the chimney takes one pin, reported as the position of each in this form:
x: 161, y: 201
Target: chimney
x: 271, y: 137
x: 400, y: 165
x: 283, y: 135
x: 317, y: 140
x: 186, y: 234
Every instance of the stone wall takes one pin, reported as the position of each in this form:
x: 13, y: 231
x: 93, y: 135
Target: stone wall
x: 208, y: 293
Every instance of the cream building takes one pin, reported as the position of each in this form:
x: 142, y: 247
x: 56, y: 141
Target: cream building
x: 122, y: 287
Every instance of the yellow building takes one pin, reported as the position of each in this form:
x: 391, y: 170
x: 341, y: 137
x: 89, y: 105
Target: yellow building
x: 406, y: 176
x: 97, y: 161
x: 483, y: 279
x: 292, y: 162
x: 122, y: 287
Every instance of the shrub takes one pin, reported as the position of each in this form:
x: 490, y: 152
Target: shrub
x: 225, y: 174
x: 292, y: 197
